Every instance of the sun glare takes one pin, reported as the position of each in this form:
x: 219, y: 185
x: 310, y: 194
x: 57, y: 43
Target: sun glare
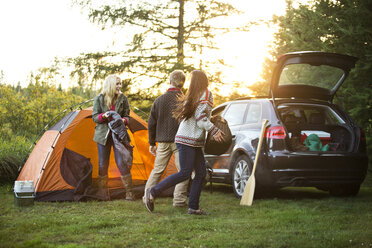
x: 68, y: 33
x: 245, y: 52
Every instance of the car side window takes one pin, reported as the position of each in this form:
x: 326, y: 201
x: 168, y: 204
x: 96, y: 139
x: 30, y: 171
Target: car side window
x: 235, y: 113
x: 218, y: 111
x: 254, y: 113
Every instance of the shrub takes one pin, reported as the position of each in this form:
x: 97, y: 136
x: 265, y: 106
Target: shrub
x: 13, y: 154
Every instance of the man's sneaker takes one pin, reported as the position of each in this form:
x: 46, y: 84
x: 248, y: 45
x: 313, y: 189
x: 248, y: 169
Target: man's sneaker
x: 149, y: 200
x: 196, y: 212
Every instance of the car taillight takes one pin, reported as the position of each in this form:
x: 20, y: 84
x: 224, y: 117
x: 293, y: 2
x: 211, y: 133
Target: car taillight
x: 276, y: 132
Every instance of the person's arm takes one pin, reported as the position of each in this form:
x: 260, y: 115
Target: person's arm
x: 203, y: 112
x: 202, y: 116
x: 97, y: 115
x: 152, y: 122
x: 126, y: 112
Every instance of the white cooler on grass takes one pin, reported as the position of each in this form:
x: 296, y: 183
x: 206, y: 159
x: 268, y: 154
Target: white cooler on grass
x: 24, y: 193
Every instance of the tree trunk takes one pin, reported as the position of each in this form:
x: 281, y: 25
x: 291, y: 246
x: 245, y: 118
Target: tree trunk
x: 181, y: 33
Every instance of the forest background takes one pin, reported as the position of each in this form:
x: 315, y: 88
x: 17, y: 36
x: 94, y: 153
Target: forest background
x: 166, y: 38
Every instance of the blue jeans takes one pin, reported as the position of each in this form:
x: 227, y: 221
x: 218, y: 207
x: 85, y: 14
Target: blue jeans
x: 191, y: 158
x: 104, y: 158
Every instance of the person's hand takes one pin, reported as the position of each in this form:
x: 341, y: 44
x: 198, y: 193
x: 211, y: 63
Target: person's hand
x: 153, y: 150
x: 218, y: 136
x: 125, y: 121
x: 105, y: 115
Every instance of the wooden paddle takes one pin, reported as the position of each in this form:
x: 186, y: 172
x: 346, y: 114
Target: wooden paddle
x: 247, y: 197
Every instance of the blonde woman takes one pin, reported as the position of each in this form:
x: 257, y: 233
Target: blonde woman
x: 111, y: 99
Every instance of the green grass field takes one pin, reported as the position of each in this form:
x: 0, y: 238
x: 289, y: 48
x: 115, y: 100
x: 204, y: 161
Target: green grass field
x: 292, y: 217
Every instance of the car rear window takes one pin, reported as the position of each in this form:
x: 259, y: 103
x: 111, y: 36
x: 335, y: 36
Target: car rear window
x: 322, y: 76
x: 311, y: 114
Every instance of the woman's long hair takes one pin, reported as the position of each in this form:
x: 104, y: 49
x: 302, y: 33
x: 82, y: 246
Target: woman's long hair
x: 187, y: 104
x: 109, y: 90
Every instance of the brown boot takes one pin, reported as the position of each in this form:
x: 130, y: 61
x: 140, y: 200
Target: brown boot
x: 102, y: 186
x: 127, y: 181
x: 102, y: 182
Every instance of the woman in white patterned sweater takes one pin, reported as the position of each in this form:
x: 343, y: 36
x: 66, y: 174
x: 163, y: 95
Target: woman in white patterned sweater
x: 194, y: 113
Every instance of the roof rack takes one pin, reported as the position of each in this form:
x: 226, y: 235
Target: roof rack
x: 251, y: 97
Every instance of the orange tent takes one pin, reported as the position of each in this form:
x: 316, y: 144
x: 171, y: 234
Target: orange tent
x: 67, y: 149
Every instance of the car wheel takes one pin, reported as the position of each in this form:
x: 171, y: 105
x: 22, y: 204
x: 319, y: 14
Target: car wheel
x: 345, y: 190
x: 242, y: 170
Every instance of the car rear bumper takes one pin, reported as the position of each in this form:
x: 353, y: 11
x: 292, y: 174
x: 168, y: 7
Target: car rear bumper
x: 316, y: 169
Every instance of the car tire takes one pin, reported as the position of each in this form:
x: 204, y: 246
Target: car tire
x: 345, y: 190
x: 241, y: 171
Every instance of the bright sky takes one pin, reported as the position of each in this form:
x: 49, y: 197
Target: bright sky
x: 34, y: 32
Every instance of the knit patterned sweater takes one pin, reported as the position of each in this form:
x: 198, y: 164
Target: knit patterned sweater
x: 162, y: 126
x: 192, y: 131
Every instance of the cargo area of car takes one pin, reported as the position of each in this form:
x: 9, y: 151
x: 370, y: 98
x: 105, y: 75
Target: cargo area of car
x: 315, y: 128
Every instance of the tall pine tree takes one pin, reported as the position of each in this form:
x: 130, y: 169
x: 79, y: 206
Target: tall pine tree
x: 166, y: 35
